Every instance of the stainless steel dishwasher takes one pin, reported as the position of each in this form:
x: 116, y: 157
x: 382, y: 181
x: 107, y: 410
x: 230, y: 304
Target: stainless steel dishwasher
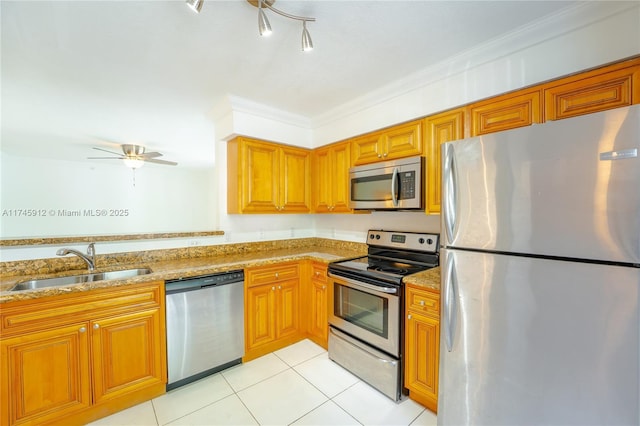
x: 205, y: 325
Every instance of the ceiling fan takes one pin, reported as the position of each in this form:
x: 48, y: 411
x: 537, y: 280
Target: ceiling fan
x: 134, y: 156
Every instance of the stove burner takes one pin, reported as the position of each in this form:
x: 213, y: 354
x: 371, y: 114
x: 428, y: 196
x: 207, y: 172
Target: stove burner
x: 390, y: 269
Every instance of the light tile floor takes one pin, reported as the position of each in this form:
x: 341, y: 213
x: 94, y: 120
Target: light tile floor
x: 297, y: 385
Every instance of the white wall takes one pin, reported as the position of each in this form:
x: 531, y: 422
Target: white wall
x: 78, y: 198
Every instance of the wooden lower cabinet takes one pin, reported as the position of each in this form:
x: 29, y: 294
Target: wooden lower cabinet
x: 272, y: 315
x: 422, y: 346
x: 101, y: 356
x: 316, y: 304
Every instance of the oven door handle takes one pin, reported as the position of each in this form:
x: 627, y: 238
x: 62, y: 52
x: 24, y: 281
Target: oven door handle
x: 379, y: 289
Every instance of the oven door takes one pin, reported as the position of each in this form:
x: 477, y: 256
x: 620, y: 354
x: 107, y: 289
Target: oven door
x: 368, y: 312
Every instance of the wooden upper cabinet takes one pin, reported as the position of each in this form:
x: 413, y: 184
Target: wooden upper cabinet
x: 438, y: 129
x: 518, y: 109
x: 264, y: 177
x: 330, y: 178
x: 403, y: 140
x: 598, y: 90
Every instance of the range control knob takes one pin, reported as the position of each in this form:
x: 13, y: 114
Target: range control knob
x: 429, y: 241
x: 371, y: 236
x: 421, y: 240
x: 377, y: 236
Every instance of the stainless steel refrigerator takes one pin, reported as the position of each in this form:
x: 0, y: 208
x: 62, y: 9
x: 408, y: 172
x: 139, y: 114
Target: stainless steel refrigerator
x: 541, y: 274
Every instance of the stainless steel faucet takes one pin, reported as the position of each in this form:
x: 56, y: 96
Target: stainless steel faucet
x: 90, y: 257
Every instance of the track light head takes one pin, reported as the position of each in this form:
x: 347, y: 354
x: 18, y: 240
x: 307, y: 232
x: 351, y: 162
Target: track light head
x: 195, y: 5
x: 263, y: 23
x: 307, y: 44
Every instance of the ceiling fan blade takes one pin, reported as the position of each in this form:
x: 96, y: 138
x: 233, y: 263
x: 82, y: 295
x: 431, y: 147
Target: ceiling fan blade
x: 165, y: 162
x: 105, y: 158
x: 110, y: 152
x: 150, y: 155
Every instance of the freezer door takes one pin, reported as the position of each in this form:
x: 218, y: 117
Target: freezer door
x: 569, y: 188
x: 539, y: 342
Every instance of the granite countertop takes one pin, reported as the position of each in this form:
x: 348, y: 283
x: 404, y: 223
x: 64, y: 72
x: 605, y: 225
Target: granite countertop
x: 174, y: 269
x: 429, y: 279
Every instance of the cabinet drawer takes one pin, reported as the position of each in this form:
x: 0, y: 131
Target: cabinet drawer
x: 319, y: 272
x: 59, y: 310
x: 424, y: 301
x: 269, y: 274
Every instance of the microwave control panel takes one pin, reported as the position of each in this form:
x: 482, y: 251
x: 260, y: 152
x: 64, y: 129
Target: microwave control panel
x: 407, y: 185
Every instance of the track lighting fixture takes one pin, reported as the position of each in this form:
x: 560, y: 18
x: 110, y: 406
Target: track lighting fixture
x: 264, y: 27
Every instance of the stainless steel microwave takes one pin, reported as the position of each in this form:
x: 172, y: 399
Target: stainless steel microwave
x: 390, y: 185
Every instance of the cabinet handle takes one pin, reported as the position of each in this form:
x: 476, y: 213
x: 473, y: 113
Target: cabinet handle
x: 276, y: 275
x: 273, y: 288
x: 96, y: 326
x: 279, y: 287
x: 422, y: 303
x: 409, y: 316
x: 82, y: 329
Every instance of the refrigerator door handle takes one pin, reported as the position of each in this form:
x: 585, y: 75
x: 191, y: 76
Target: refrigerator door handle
x: 450, y: 186
x: 450, y: 302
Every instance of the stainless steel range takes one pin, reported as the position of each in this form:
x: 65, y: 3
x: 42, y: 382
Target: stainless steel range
x: 366, y: 317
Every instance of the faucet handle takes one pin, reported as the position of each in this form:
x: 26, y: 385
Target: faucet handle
x: 91, y: 250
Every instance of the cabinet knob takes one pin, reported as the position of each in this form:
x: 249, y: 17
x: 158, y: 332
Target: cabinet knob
x: 317, y: 274
x: 384, y: 155
x: 279, y: 287
x: 82, y: 329
x: 276, y: 275
x: 273, y: 288
x: 409, y: 316
x: 96, y: 326
x: 422, y: 303
x: 379, y: 155
x: 324, y: 286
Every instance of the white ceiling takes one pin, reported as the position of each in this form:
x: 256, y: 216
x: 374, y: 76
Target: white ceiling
x: 78, y: 74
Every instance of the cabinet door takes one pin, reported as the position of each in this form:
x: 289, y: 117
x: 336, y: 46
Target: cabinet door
x: 579, y: 95
x: 506, y: 112
x: 401, y: 141
x: 287, y: 309
x: 340, y: 161
x: 331, y: 178
x: 48, y: 375
x: 318, y: 312
x: 321, y: 178
x: 421, y: 365
x: 127, y: 353
x: 366, y: 149
x: 260, y: 167
x: 295, y: 181
x: 260, y: 316
x: 445, y: 127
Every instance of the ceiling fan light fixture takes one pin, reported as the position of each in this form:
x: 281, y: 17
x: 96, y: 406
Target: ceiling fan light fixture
x: 307, y: 44
x: 195, y: 5
x: 133, y: 163
x: 264, y: 27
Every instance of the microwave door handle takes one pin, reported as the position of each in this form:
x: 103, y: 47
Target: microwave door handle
x: 394, y: 187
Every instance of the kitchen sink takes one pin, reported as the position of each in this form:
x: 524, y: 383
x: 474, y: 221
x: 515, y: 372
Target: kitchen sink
x: 79, y: 279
